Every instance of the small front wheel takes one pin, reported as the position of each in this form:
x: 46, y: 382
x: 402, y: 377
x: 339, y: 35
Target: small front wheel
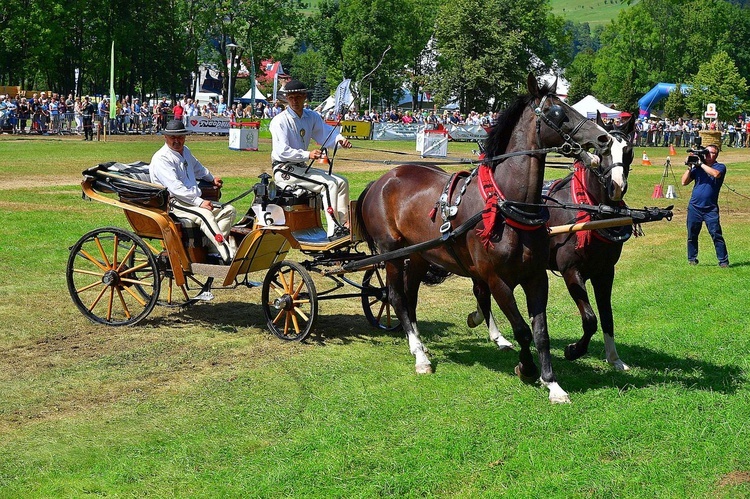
x: 113, y: 277
x: 290, y: 302
x: 375, y: 304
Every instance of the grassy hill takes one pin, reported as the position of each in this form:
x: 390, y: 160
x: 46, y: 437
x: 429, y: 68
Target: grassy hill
x: 594, y: 12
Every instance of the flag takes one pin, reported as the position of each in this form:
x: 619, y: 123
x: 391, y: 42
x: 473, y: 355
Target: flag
x: 112, y: 97
x: 343, y: 96
x: 275, y: 70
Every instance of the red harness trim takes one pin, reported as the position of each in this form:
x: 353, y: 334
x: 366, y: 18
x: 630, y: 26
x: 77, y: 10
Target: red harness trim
x: 493, y: 196
x: 580, y: 194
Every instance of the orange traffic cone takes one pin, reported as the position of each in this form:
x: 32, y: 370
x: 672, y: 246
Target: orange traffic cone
x: 672, y: 152
x: 645, y: 161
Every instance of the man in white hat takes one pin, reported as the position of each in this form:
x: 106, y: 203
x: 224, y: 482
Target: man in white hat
x: 291, y: 131
x: 175, y: 167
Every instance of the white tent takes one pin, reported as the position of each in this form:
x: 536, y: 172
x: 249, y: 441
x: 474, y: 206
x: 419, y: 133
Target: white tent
x: 588, y: 106
x: 258, y: 94
x: 204, y: 97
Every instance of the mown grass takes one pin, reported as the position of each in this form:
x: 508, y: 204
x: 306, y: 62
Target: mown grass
x: 206, y: 402
x: 594, y: 12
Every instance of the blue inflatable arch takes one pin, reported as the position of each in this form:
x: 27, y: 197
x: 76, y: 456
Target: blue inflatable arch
x: 660, y: 91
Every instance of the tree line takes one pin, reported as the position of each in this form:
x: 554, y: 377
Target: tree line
x: 477, y: 52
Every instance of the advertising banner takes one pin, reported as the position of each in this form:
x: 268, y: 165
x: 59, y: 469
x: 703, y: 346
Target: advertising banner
x: 202, y: 124
x: 395, y: 131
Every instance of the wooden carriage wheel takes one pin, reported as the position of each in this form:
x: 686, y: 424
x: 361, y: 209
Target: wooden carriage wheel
x: 113, y: 277
x: 290, y: 301
x: 375, y: 303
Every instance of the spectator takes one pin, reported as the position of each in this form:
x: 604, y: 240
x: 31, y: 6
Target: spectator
x: 87, y: 115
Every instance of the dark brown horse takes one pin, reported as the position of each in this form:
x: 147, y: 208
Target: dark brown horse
x: 394, y: 213
x: 588, y: 255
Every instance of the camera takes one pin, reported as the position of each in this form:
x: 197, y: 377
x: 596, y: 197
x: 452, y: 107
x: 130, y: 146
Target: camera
x: 697, y: 154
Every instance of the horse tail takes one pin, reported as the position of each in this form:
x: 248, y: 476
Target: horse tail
x: 360, y: 220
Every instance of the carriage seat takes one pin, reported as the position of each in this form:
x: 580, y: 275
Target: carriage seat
x: 137, y: 170
x: 290, y: 196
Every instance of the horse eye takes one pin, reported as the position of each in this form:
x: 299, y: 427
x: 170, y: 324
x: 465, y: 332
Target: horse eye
x: 556, y: 115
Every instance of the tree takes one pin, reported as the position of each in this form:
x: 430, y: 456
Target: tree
x: 675, y: 106
x: 718, y: 81
x: 581, y: 76
x: 485, y: 49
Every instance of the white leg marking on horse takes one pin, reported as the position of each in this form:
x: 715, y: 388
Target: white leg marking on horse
x: 612, y: 357
x: 497, y: 336
x: 556, y: 394
x: 422, y: 363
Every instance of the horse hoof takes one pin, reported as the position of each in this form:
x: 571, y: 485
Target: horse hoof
x: 572, y: 353
x: 424, y: 369
x: 620, y: 365
x: 470, y: 321
x: 559, y: 399
x: 504, y: 346
x: 523, y: 377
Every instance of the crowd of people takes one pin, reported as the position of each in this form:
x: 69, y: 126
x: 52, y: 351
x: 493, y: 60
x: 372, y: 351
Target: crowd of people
x: 51, y: 113
x: 682, y: 132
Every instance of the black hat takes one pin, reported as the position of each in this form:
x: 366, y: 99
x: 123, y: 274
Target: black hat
x: 294, y: 87
x: 175, y: 127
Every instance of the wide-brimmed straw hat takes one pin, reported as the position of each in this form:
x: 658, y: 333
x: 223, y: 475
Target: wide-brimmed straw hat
x: 175, y: 127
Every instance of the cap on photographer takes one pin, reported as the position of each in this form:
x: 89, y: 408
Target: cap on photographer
x: 708, y: 175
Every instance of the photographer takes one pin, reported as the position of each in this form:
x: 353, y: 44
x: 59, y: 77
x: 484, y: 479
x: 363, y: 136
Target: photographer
x: 708, y: 175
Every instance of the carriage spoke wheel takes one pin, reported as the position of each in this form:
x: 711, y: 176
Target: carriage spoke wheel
x: 378, y: 310
x: 113, y: 277
x: 290, y: 302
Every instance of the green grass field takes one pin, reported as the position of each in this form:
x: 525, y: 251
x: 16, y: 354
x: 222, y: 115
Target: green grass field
x: 207, y: 403
x: 594, y: 12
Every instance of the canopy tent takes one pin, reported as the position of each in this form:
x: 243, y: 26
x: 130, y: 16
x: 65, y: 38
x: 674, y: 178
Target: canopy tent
x: 205, y: 97
x: 245, y: 99
x: 588, y: 106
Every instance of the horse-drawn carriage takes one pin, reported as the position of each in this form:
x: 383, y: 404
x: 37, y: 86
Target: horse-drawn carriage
x: 117, y: 276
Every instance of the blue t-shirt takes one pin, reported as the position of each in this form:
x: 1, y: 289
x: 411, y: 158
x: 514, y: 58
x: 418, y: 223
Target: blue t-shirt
x: 706, y: 190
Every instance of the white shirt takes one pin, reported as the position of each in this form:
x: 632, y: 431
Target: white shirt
x: 291, y: 135
x: 179, y: 174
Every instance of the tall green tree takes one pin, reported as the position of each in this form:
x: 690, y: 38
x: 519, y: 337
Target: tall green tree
x: 675, y: 106
x: 718, y: 81
x: 581, y: 75
x: 487, y: 47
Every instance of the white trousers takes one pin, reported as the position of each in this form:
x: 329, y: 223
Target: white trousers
x: 333, y: 189
x: 215, y: 224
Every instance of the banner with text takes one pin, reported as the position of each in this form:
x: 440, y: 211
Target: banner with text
x: 201, y: 124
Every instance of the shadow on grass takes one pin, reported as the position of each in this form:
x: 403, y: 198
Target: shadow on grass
x: 648, y: 367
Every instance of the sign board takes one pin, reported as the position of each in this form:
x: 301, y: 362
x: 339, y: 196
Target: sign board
x: 203, y: 124
x: 711, y: 111
x: 359, y: 129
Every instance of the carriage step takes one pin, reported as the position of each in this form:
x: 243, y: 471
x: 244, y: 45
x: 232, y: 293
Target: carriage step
x: 215, y: 271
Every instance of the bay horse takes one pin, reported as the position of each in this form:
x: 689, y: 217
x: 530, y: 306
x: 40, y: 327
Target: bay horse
x: 587, y: 255
x: 510, y: 246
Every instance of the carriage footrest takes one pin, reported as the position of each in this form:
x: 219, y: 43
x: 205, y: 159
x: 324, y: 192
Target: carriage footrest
x: 215, y: 271
x: 313, y: 235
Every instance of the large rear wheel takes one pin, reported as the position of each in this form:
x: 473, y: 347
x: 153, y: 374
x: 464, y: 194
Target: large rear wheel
x: 290, y: 302
x: 113, y: 277
x: 375, y: 303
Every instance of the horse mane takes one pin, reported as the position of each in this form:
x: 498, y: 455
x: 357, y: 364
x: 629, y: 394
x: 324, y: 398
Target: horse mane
x: 496, y: 142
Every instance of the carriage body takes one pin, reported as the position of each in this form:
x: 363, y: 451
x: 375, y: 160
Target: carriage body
x: 116, y: 276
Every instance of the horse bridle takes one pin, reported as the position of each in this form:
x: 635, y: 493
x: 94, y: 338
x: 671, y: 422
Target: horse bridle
x: 603, y: 172
x: 570, y: 146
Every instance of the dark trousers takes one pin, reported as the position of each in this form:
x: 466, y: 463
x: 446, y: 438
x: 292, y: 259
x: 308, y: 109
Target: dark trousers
x: 88, y: 129
x: 695, y: 219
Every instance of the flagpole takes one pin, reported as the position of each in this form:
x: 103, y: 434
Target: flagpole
x: 112, y: 97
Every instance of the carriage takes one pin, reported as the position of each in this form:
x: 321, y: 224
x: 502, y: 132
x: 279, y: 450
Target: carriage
x: 117, y: 276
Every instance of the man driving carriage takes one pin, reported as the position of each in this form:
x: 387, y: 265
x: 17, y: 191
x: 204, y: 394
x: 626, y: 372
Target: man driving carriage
x: 175, y: 167
x: 291, y: 131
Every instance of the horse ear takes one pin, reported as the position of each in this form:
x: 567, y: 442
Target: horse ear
x: 532, y: 85
x: 628, y: 123
x: 599, y: 120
